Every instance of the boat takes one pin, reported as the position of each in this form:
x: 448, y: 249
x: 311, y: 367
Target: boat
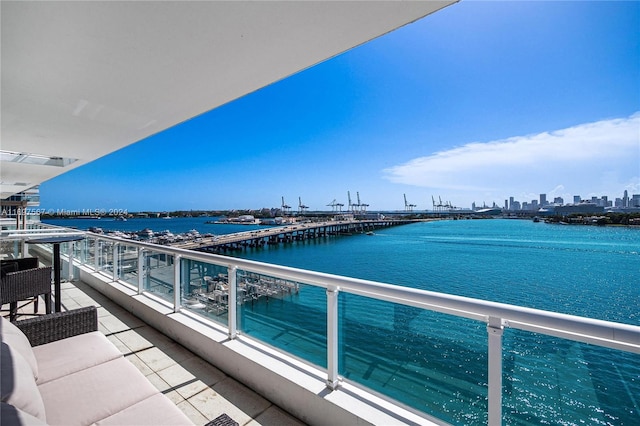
x: 145, y: 233
x: 370, y: 233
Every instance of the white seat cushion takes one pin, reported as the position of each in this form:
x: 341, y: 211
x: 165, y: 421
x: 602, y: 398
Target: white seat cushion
x: 95, y: 393
x: 67, y: 356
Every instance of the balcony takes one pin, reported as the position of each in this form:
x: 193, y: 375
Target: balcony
x: 292, y: 336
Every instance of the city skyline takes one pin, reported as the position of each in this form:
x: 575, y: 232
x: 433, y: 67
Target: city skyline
x: 627, y: 201
x: 476, y: 103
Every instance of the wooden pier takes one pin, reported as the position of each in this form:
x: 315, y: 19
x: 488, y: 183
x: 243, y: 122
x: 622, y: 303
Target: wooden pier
x: 286, y: 234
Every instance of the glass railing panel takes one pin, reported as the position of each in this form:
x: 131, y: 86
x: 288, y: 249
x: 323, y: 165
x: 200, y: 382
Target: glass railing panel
x: 44, y: 252
x: 433, y: 362
x: 104, y: 255
x: 81, y: 252
x: 88, y: 252
x: 78, y: 253
x: 205, y: 289
x: 11, y: 249
x: 159, y: 274
x: 65, y: 248
x: 284, y: 314
x: 128, y: 263
x: 547, y: 380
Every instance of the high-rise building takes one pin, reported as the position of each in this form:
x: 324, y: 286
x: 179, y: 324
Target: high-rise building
x: 576, y: 199
x: 625, y: 199
x: 558, y: 200
x: 543, y: 200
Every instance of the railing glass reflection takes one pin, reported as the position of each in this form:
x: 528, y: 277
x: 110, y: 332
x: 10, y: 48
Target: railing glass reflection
x: 205, y: 289
x: 284, y: 314
x: 159, y: 274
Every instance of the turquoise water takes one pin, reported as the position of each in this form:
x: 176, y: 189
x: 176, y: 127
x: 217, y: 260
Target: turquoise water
x: 436, y: 363
x: 579, y: 270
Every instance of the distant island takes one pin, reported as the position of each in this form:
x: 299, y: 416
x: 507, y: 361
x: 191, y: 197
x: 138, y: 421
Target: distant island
x: 275, y: 216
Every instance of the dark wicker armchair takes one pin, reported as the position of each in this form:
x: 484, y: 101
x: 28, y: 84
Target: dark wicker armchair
x: 23, y: 285
x: 59, y: 325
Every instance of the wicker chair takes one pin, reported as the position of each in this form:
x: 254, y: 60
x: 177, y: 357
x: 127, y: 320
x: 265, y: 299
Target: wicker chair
x: 23, y: 285
x: 59, y: 325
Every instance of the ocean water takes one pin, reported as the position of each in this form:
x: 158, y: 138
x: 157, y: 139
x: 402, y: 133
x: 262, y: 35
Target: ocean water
x: 436, y: 363
x: 588, y: 271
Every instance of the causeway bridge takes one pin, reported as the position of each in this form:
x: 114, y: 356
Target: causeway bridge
x: 286, y: 234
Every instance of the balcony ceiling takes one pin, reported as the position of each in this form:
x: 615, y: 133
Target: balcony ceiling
x: 83, y: 79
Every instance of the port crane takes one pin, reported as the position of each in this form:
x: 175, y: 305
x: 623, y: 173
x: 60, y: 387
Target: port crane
x: 352, y: 207
x: 408, y: 207
x: 447, y: 205
x: 363, y: 207
x: 301, y: 207
x: 335, y: 204
x: 440, y: 206
x: 285, y: 207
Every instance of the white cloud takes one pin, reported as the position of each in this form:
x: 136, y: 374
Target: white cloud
x: 591, y: 157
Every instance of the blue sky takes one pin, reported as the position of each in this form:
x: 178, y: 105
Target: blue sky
x: 476, y: 103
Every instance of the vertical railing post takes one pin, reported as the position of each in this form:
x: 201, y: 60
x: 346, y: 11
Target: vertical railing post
x: 83, y: 252
x: 233, y: 301
x: 96, y: 255
x: 70, y: 248
x: 177, y: 261
x: 495, y: 331
x: 141, y: 269
x: 116, y: 261
x: 332, y: 338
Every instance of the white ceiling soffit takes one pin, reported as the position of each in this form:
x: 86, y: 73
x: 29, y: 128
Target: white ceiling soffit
x: 81, y: 79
